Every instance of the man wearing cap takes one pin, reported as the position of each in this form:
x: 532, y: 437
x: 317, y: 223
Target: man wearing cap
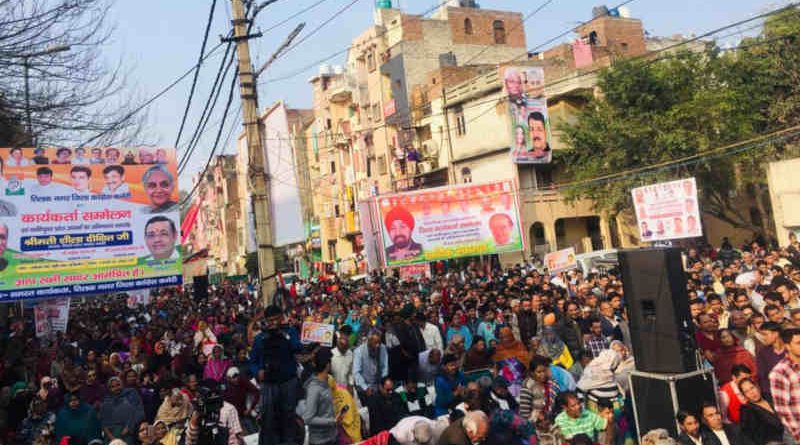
x: 400, y: 225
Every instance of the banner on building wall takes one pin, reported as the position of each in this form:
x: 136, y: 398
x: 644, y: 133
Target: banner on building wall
x: 450, y: 222
x: 87, y: 221
x: 523, y: 87
x: 667, y: 210
x: 560, y: 260
x: 413, y: 272
x: 51, y: 316
x: 287, y: 215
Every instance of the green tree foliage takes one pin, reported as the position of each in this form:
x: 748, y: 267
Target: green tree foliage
x: 658, y: 109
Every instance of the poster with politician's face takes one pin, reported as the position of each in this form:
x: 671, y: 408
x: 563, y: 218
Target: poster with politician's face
x: 523, y: 88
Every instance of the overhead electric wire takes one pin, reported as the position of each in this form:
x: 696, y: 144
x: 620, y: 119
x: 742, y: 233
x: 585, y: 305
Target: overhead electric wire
x: 321, y: 25
x: 196, y: 71
x: 209, y: 106
x: 295, y: 15
x: 219, y: 135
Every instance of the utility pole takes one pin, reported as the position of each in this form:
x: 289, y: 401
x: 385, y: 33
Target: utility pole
x: 257, y: 168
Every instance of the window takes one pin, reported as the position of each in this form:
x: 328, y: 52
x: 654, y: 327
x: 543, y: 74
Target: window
x: 328, y: 124
x: 624, y: 46
x: 467, y: 26
x: 381, y: 165
x: 466, y: 175
x: 461, y: 122
x: 499, y: 32
x: 332, y: 250
x: 336, y: 211
x: 371, y: 60
x: 376, y: 112
x: 333, y: 167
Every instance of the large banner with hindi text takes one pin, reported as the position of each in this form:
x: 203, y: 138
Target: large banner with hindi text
x: 87, y: 221
x: 450, y: 222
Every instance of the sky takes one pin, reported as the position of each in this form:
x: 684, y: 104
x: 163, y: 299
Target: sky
x: 158, y: 40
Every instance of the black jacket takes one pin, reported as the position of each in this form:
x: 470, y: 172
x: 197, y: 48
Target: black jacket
x: 527, y: 326
x: 760, y: 425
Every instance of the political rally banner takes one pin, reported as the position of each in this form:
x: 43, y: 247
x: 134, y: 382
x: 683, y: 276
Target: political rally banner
x: 51, y: 316
x: 450, y: 222
x: 560, y: 260
x: 667, y: 210
x: 411, y: 272
x: 87, y: 221
x: 523, y: 87
x: 313, y: 332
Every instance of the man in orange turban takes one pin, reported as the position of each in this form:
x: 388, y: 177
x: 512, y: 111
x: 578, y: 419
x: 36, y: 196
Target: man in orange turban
x: 400, y: 225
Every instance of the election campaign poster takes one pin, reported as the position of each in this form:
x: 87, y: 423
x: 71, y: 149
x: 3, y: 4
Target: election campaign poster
x: 411, y: 272
x: 313, y: 332
x: 450, y: 222
x: 51, y: 316
x: 560, y: 260
x: 87, y: 221
x: 667, y: 210
x: 523, y: 87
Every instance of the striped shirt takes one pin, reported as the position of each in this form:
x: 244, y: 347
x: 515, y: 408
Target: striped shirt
x: 784, y: 383
x: 587, y: 423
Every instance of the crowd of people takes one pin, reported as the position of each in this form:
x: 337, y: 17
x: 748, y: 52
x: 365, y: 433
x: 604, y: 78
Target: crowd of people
x: 471, y: 355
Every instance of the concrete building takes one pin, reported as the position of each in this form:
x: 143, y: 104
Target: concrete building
x: 785, y: 197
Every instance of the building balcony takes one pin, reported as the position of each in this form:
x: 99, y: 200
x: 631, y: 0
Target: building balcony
x: 341, y: 89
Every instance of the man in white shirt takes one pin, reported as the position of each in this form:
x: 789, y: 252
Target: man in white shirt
x: 430, y: 333
x: 727, y: 434
x: 342, y: 359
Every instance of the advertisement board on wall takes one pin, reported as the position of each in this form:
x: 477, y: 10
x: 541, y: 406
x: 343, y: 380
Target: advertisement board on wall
x: 87, y: 221
x: 667, y: 210
x: 523, y: 88
x: 450, y: 222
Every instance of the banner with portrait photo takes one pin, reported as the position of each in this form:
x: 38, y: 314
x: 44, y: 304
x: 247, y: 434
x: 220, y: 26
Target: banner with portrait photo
x: 560, y: 260
x: 87, y: 221
x: 51, y: 316
x: 667, y: 210
x: 450, y: 222
x: 523, y: 88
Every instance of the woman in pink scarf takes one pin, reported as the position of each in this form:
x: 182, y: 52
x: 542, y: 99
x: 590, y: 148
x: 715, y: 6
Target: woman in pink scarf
x: 217, y: 365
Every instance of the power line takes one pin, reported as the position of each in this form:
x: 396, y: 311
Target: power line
x: 295, y: 15
x: 210, y: 104
x: 322, y: 25
x: 196, y: 71
x: 219, y: 135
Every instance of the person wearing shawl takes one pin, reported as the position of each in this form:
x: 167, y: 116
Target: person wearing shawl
x: 38, y: 419
x: 598, y: 379
x: 538, y: 396
x: 118, y: 417
x: 92, y: 391
x: 552, y: 347
x: 731, y: 353
x: 77, y: 420
x: 351, y: 420
x: 175, y: 409
x: 509, y: 347
x: 49, y: 393
x: 506, y: 427
x: 204, y: 339
x: 217, y: 365
x: 160, y: 362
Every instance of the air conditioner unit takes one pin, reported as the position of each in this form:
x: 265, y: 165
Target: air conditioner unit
x: 425, y: 167
x: 430, y: 149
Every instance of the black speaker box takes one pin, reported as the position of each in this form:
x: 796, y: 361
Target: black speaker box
x: 662, y: 330
x: 200, y: 287
x: 657, y: 398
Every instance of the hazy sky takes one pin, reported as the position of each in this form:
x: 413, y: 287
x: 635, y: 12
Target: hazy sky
x: 158, y: 40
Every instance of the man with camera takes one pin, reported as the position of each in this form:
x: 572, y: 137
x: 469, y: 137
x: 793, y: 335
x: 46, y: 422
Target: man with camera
x: 214, y: 421
x: 275, y: 350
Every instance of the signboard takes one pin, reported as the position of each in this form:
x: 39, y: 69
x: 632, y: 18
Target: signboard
x: 560, y: 260
x: 321, y: 333
x: 523, y: 87
x: 667, y: 210
x: 87, y: 221
x: 51, y: 316
x: 450, y: 222
x: 412, y: 272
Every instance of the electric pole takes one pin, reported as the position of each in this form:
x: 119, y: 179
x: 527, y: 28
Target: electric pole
x: 257, y: 168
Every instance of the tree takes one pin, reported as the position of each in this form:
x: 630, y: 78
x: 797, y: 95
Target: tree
x: 655, y: 111
x: 75, y: 97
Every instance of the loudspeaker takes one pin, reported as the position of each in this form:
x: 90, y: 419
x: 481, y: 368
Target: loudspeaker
x: 200, y: 287
x: 657, y: 398
x: 662, y: 330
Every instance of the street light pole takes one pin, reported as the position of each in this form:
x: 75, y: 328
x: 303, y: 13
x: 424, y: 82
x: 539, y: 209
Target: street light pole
x: 26, y: 58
